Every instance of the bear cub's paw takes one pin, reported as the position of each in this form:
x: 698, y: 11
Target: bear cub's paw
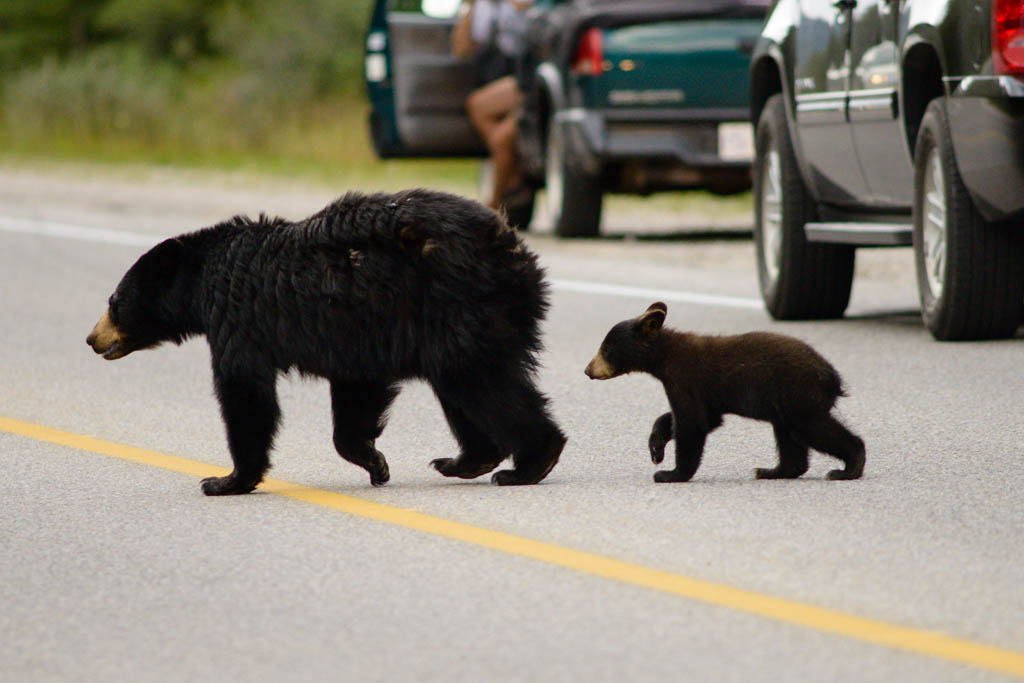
x: 839, y: 475
x: 670, y: 476
x: 774, y: 473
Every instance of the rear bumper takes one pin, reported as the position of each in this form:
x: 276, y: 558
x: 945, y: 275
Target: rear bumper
x: 986, y: 115
x: 690, y: 138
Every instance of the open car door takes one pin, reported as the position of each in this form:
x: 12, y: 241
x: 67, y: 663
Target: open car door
x: 417, y: 89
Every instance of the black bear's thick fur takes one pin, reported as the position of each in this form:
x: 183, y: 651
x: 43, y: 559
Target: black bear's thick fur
x: 759, y: 375
x: 372, y: 290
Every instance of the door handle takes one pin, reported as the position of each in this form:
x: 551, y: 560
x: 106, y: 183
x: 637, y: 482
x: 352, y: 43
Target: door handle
x: 844, y: 4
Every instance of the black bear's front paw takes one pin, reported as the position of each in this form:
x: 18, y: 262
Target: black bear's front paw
x: 379, y: 472
x: 670, y: 476
x: 227, y: 486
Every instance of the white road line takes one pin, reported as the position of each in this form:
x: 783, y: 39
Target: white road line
x: 133, y: 239
x: 81, y: 233
x: 655, y: 294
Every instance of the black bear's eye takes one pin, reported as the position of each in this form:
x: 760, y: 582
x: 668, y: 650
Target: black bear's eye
x: 113, y: 308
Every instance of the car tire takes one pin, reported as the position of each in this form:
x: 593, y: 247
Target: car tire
x: 518, y: 214
x: 799, y: 280
x: 970, y: 273
x: 573, y: 197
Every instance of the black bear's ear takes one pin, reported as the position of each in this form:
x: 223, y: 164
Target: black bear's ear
x: 652, y: 319
x: 165, y: 257
x: 159, y: 265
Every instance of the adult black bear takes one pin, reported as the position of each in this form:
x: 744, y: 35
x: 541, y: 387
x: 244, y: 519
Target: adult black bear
x: 371, y: 290
x: 759, y: 375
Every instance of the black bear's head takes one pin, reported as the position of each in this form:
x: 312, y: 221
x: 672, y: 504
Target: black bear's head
x: 626, y: 347
x: 139, y: 314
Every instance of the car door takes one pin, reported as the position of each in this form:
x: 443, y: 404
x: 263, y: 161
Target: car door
x: 416, y: 89
x: 821, y: 81
x: 873, y: 104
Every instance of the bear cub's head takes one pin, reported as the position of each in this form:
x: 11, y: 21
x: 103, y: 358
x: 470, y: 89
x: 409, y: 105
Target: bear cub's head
x: 626, y: 347
x: 140, y: 312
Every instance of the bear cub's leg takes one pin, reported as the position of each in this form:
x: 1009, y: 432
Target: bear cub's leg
x: 250, y: 411
x: 689, y: 449
x: 661, y: 434
x: 793, y: 457
x: 359, y: 417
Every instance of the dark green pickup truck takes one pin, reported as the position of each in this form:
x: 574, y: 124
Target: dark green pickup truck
x: 630, y: 96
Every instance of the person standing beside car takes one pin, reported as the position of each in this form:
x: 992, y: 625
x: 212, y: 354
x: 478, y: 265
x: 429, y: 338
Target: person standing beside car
x: 491, y: 34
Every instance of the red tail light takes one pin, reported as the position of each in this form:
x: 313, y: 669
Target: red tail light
x: 1008, y: 37
x: 589, y: 54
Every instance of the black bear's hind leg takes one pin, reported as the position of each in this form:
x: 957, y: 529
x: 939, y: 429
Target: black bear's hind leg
x: 479, y: 454
x: 508, y: 408
x: 793, y: 460
x: 829, y: 435
x: 661, y: 434
x: 250, y: 411
x: 689, y: 449
x: 359, y: 416
x: 535, y: 456
x: 536, y: 441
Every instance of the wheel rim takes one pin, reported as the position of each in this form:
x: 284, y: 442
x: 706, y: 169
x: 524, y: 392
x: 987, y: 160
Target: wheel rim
x: 934, y: 224
x: 771, y: 213
x: 553, y: 172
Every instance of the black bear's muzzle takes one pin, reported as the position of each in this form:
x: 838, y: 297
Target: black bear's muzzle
x: 106, y: 339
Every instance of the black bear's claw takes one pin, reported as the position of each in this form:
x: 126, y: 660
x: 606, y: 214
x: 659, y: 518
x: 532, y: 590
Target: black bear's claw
x: 442, y: 464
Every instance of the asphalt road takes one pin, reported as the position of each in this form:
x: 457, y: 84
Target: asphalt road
x: 115, y: 567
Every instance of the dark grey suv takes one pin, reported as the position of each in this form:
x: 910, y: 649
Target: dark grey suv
x: 886, y: 123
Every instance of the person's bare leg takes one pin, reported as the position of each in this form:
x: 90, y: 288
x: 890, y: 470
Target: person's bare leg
x: 502, y: 145
x: 489, y: 105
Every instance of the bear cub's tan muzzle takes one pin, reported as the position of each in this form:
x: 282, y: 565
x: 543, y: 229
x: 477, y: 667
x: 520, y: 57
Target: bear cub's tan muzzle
x: 598, y: 368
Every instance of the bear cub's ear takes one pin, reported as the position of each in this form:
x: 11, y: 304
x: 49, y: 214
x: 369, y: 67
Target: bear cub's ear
x: 653, y: 318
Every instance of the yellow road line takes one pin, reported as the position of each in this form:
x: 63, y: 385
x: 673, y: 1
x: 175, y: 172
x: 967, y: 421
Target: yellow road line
x: 909, y: 639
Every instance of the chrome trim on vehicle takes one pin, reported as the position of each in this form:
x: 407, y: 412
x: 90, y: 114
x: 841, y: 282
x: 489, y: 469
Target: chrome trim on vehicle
x: 987, y: 86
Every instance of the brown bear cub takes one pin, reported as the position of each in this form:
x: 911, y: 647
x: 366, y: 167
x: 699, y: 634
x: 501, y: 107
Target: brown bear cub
x: 760, y: 375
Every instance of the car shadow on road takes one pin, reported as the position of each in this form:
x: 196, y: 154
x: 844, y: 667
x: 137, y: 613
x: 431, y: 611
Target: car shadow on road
x: 910, y: 317
x: 712, y: 235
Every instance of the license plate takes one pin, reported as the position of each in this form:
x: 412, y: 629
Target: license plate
x: 736, y: 141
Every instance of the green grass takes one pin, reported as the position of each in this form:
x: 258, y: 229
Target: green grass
x: 328, y: 145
